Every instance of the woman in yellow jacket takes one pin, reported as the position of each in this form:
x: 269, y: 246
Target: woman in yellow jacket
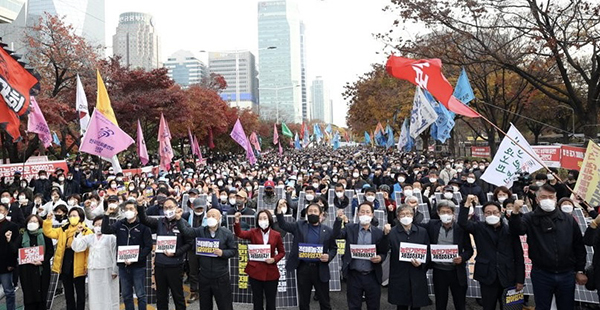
x: 71, y: 266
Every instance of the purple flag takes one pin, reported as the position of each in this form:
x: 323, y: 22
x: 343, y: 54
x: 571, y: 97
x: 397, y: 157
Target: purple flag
x: 37, y: 123
x: 239, y: 136
x: 196, y: 149
x: 164, y: 149
x: 141, y: 145
x: 103, y: 137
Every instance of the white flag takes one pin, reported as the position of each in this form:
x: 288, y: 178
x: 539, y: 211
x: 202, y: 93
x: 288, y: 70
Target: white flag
x: 422, y: 115
x: 82, y: 107
x: 404, y: 139
x: 510, y: 159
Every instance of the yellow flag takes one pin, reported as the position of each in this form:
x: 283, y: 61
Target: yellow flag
x: 103, y: 101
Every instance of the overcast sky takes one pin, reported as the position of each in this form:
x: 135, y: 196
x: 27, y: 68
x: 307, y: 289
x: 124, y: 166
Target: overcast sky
x: 340, y: 45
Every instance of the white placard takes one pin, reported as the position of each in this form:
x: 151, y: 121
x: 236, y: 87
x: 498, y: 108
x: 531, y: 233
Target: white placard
x: 129, y: 253
x: 259, y: 252
x: 443, y: 253
x: 166, y: 243
x: 410, y: 251
x: 363, y: 251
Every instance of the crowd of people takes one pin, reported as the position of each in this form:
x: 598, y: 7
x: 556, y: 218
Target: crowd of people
x: 81, y: 216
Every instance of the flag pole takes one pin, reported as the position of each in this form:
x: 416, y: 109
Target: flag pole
x: 534, y: 157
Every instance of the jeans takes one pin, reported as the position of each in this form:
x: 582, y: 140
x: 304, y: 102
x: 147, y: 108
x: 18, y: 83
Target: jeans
x: 133, y: 278
x: 548, y: 284
x: 6, y: 279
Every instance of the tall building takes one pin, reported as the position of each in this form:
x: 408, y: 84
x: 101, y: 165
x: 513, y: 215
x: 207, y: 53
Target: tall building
x: 224, y: 64
x: 321, y: 104
x: 137, y: 42
x: 185, y: 69
x: 85, y: 16
x: 282, y: 72
x: 9, y: 10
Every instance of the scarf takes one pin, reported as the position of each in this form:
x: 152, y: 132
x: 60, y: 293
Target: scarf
x: 341, y: 204
x: 545, y: 219
x: 26, y: 241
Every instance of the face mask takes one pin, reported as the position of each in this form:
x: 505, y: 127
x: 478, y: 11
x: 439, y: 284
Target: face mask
x: 169, y: 214
x: 334, y: 180
x: 23, y: 185
x: 471, y: 210
x: 113, y: 186
x: 198, y: 213
x: 502, y: 198
x: 448, y: 167
x: 119, y: 179
x: 249, y: 189
x: 58, y: 218
x: 355, y: 175
x: 131, y: 188
x: 470, y: 180
x: 456, y: 189
x: 370, y: 198
x: 407, y: 220
x: 61, y: 179
x: 23, y: 200
x: 112, y: 205
x: 432, y: 180
x: 539, y: 183
x: 71, y: 202
x: 5, y: 200
x: 73, y: 220
x: 339, y: 195
x: 492, y: 219
x: 408, y: 192
x: 33, y: 226
x: 481, y: 167
x: 365, y: 219
x: 401, y: 179
x: 42, y: 177
x: 129, y: 214
x: 548, y: 205
x: 312, y: 218
x: 223, y: 198
x: 416, y: 190
x: 232, y: 201
x: 2, y: 217
x: 211, y: 222
x: 97, y: 230
x: 566, y: 208
x: 142, y: 185
x: 448, y: 195
x: 310, y: 197
x: 446, y: 218
x: 263, y: 224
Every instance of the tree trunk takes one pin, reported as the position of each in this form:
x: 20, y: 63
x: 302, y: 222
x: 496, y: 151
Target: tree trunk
x: 590, y: 118
x: 492, y: 141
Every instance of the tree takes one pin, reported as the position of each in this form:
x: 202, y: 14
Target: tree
x: 553, y: 45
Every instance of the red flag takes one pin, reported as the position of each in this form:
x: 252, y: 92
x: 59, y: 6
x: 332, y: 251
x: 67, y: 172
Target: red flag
x: 280, y: 149
x: 210, y: 142
x: 275, y: 134
x: 141, y: 145
x: 196, y: 149
x: 164, y: 150
x: 302, y: 131
x: 427, y: 74
x: 346, y: 136
x: 254, y: 141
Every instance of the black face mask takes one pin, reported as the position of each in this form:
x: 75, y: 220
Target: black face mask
x: 313, y: 218
x: 269, y: 193
x: 59, y: 218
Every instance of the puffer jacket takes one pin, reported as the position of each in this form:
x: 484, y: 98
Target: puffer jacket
x: 60, y: 234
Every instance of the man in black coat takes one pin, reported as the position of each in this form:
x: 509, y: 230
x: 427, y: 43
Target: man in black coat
x: 9, y: 232
x: 453, y: 276
x: 311, y: 272
x: 556, y: 250
x: 364, y: 276
x: 499, y: 263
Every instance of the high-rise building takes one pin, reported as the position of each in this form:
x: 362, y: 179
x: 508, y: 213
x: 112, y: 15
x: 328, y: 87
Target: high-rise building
x: 224, y: 64
x: 9, y: 9
x: 282, y: 72
x: 321, y: 104
x: 137, y: 41
x: 185, y: 69
x: 85, y: 16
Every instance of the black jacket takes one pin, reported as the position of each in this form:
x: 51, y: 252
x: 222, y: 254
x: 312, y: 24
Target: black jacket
x: 460, y: 238
x: 554, y: 239
x: 472, y: 189
x: 213, y: 267
x: 130, y: 234
x: 8, y: 255
x: 592, y: 238
x: 499, y: 252
x: 350, y: 234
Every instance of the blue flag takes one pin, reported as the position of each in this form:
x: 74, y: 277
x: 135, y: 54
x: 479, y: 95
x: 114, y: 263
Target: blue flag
x: 55, y: 138
x: 390, y: 136
x: 440, y: 130
x: 367, y: 138
x: 336, y: 140
x: 317, y: 132
x: 405, y: 141
x: 297, y: 142
x: 463, y: 90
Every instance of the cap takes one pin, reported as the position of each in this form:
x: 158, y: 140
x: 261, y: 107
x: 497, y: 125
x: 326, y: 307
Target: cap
x: 18, y: 172
x: 194, y: 191
x: 113, y: 198
x: 197, y: 204
x: 242, y: 194
x: 270, y: 184
x: 448, y: 188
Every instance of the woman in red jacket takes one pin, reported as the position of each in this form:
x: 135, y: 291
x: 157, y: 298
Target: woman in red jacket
x: 263, y: 272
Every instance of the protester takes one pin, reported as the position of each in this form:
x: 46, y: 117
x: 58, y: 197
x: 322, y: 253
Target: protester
x: 196, y: 218
x: 9, y: 233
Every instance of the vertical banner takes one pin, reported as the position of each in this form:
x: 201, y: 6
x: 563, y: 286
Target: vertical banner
x: 588, y: 182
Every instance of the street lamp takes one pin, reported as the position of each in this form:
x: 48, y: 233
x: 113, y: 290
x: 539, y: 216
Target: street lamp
x: 277, y: 89
x: 573, y: 115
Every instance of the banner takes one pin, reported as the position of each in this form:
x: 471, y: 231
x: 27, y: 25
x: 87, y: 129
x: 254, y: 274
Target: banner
x: 588, y: 182
x: 206, y: 247
x: 81, y: 106
x: 259, y: 252
x: 37, y: 124
x: 363, y: 251
x: 104, y: 138
x: 549, y: 154
x: 31, y: 255
x: 30, y: 170
x: 285, y: 130
x: 443, y: 253
x: 410, y: 251
x: 141, y: 145
x: 481, y: 151
x: 164, y: 149
x: 239, y: 136
x: 510, y: 159
x: 129, y: 253
x: 310, y: 252
x: 422, y: 115
x: 571, y: 157
x: 166, y: 243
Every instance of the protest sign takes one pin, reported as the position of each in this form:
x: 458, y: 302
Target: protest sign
x: 166, y: 243
x: 410, y: 251
x: 310, y: 252
x: 443, y: 253
x: 31, y: 254
x: 259, y: 252
x: 206, y: 247
x: 512, y: 299
x: 130, y: 253
x: 363, y: 251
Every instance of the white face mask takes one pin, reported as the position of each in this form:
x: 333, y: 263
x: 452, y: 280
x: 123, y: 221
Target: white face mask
x: 33, y: 226
x: 169, y: 214
x: 339, y: 195
x: 408, y: 192
x: 232, y: 201
x: 401, y: 180
x: 198, y: 213
x: 223, y: 198
x: 407, y: 220
x: 23, y: 200
x: 61, y: 179
x: 112, y: 205
x: 456, y: 189
x: 310, y: 197
x: 539, y: 183
x: 284, y: 210
x: 471, y: 210
x: 370, y: 198
x: 470, y: 180
x: 355, y: 175
x: 211, y: 222
x: 97, y: 230
x: 548, y: 205
x: 365, y: 219
x: 264, y: 224
x: 432, y: 180
x: 502, y: 198
x: 129, y: 214
x: 71, y: 202
x: 5, y: 200
x: 492, y: 219
x: 187, y: 188
x: 448, y: 195
x: 567, y: 208
x: 416, y: 190
x: 446, y: 218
